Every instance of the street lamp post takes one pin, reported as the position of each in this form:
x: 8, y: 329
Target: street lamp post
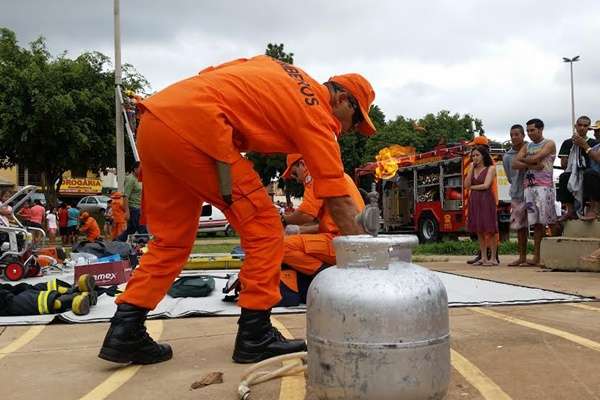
x: 120, y: 137
x: 571, y: 61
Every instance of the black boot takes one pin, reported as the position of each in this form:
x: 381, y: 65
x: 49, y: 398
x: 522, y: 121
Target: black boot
x: 127, y: 340
x: 258, y: 340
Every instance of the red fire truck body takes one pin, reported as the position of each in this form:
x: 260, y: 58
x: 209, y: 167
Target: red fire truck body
x: 426, y: 194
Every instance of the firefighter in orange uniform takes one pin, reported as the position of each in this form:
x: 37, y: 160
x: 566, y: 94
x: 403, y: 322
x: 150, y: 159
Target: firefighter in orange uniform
x: 190, y: 138
x: 310, y: 229
x: 90, y: 227
x: 118, y: 214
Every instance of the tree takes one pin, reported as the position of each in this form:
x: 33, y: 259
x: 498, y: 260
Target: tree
x: 353, y: 145
x: 276, y: 51
x: 57, y: 113
x: 423, y: 134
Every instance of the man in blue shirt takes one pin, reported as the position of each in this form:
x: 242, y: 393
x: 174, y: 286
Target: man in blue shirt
x: 72, y: 223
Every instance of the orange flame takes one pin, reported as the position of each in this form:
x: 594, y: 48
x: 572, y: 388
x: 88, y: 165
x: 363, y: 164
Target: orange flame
x: 388, y: 157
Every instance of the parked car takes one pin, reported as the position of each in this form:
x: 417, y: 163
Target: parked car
x: 39, y: 196
x: 212, y: 220
x: 95, y: 204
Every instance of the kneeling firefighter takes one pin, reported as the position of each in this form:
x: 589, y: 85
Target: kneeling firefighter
x: 189, y: 140
x: 89, y: 227
x: 308, y: 244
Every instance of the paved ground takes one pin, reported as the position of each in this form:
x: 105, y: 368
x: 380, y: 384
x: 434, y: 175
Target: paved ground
x: 519, y: 352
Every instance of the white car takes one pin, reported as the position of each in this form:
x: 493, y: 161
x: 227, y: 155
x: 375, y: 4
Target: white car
x: 93, y: 204
x: 212, y: 220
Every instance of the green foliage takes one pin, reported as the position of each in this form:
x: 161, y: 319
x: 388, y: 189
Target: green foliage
x: 353, y: 145
x: 276, y: 51
x: 200, y: 247
x: 57, y: 113
x: 423, y: 134
x: 465, y: 248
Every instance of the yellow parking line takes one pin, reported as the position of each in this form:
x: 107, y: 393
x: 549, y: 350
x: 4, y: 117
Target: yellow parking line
x: 292, y: 387
x: 585, y: 307
x: 590, y: 344
x: 118, y: 378
x: 22, y: 340
x: 488, y: 389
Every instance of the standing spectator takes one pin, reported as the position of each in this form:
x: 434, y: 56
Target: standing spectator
x: 591, y: 177
x: 25, y: 213
x: 108, y: 220
x: 482, y: 215
x: 119, y: 215
x: 596, y: 128
x: 5, y: 209
x: 480, y: 140
x: 5, y: 213
x: 132, y: 192
x: 539, y: 191
x: 63, y: 218
x: 591, y: 187
x: 51, y: 225
x: 515, y: 175
x: 574, y: 159
x: 72, y: 223
x: 36, y: 214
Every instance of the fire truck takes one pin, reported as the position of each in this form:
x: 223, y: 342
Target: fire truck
x: 426, y: 195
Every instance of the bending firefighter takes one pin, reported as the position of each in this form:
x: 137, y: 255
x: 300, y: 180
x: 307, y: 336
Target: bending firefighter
x: 190, y: 138
x: 89, y: 227
x: 307, y: 246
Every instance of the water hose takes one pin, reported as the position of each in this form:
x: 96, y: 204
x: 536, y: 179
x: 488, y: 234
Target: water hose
x: 252, y: 376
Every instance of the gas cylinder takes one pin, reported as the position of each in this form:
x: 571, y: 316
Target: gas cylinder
x: 377, y: 325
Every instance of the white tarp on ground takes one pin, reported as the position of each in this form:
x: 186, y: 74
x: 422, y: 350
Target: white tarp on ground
x: 462, y: 291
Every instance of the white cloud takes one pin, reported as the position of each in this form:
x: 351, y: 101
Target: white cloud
x: 497, y: 60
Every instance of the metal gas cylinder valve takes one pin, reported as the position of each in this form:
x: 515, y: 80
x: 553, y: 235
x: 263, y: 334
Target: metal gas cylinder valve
x: 368, y: 219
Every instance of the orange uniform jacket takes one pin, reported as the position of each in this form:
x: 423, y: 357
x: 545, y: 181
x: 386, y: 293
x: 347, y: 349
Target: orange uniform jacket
x: 91, y: 229
x: 118, y: 214
x: 236, y: 101
x: 308, y: 252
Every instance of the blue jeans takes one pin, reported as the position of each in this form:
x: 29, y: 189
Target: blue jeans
x: 133, y: 225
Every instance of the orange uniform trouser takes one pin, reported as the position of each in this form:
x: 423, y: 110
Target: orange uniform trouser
x: 177, y: 179
x: 307, y: 253
x: 117, y: 229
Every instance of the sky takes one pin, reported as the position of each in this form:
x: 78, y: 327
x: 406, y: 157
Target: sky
x: 499, y: 61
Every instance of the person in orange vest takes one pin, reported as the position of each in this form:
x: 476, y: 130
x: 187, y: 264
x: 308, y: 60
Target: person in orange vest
x: 307, y: 246
x: 190, y: 139
x: 119, y: 215
x: 90, y: 227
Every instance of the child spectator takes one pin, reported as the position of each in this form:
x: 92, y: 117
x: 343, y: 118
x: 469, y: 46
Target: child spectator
x: 482, y: 213
x: 51, y: 225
